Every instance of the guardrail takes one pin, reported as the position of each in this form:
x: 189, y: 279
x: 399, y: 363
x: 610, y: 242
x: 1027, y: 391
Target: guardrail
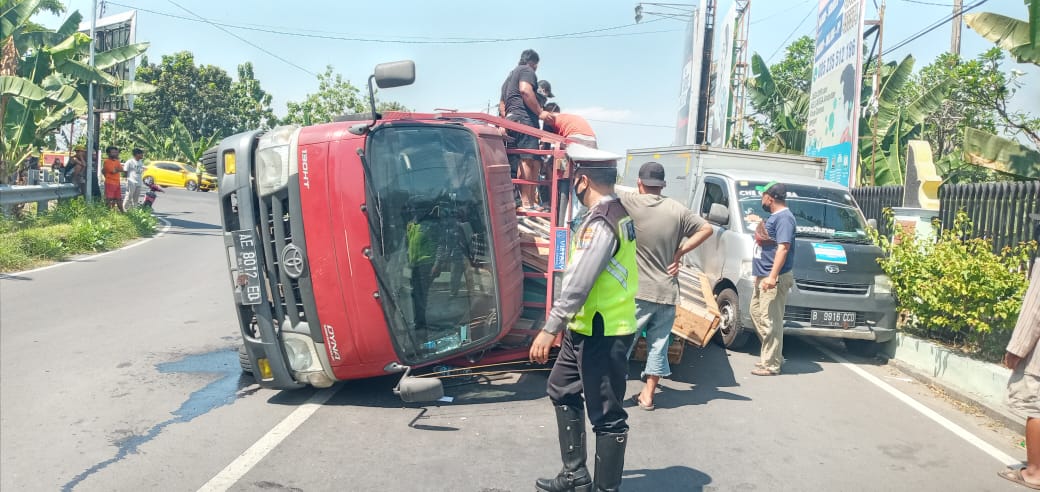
x: 41, y: 194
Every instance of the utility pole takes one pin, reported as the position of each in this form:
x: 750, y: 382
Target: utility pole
x: 90, y: 108
x: 955, y: 36
x: 874, y: 96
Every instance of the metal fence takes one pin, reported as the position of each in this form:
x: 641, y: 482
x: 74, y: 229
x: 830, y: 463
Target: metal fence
x: 41, y: 194
x: 1000, y: 212
x: 1006, y: 213
x: 874, y: 200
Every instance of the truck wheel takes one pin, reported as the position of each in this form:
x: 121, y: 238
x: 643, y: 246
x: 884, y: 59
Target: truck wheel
x: 243, y: 360
x: 731, y: 334
x: 863, y: 348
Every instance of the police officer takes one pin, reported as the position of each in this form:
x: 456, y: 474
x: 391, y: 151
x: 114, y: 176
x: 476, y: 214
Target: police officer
x: 597, y: 308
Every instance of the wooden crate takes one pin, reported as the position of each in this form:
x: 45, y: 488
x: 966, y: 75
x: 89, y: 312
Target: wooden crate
x: 697, y: 315
x: 675, y: 350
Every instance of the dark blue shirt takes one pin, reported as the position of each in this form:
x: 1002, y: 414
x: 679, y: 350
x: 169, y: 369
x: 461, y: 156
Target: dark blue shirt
x: 780, y: 228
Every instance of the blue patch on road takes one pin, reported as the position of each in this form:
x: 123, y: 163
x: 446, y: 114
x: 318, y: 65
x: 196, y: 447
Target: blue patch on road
x: 218, y: 393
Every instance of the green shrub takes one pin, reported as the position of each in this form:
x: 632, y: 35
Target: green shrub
x: 956, y: 290
x: 45, y: 242
x: 12, y: 258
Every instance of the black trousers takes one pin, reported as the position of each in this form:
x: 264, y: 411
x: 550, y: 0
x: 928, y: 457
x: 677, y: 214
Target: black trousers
x: 596, y: 366
x: 422, y: 277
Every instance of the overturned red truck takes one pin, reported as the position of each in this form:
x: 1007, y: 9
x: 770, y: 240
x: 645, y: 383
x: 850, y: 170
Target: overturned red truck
x: 379, y: 244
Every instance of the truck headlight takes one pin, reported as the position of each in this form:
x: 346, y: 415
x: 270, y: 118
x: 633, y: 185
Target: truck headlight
x: 297, y: 351
x: 882, y: 284
x: 274, y: 159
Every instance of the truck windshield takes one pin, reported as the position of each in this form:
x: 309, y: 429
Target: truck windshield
x: 819, y: 212
x: 431, y: 239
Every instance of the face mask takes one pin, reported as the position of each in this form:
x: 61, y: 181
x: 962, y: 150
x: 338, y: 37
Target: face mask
x: 580, y: 195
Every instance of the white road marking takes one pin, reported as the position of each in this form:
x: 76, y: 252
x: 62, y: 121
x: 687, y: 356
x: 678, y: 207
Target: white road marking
x: 238, y: 468
x: 927, y: 412
x: 159, y: 234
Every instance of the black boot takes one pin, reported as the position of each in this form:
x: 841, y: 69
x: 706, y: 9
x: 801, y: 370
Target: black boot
x: 574, y: 476
x: 610, y: 461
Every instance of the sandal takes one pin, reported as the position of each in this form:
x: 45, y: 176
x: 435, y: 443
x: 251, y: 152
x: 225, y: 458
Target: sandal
x: 640, y: 404
x: 1014, y: 474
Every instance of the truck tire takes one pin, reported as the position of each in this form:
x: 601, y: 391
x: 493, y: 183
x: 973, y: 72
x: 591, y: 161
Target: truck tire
x: 243, y: 360
x: 863, y: 348
x: 731, y: 334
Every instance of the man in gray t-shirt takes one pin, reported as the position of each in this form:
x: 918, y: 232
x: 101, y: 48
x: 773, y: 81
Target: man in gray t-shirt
x: 665, y: 231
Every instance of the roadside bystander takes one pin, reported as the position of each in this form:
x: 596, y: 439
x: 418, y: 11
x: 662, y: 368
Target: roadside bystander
x: 112, y: 169
x: 519, y: 103
x: 665, y: 232
x: 771, y: 265
x: 1023, y: 358
x: 134, y: 167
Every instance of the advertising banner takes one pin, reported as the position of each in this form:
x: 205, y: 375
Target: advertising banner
x: 719, y: 113
x: 689, y: 86
x: 832, y: 127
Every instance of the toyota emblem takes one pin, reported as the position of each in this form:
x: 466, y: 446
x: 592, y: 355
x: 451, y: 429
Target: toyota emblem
x: 292, y: 261
x: 828, y: 269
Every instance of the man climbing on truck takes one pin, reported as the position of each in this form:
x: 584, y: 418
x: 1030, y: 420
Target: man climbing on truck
x: 519, y: 103
x: 597, y: 308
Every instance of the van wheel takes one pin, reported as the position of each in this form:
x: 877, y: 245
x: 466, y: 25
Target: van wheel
x: 863, y: 348
x: 243, y: 360
x: 731, y: 334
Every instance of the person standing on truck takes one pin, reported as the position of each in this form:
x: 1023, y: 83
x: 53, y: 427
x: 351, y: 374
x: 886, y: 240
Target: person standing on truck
x: 596, y: 307
x: 661, y: 226
x: 519, y: 104
x: 569, y: 126
x: 771, y: 266
x: 1023, y: 358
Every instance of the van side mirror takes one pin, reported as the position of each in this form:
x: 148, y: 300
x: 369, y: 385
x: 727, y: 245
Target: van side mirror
x: 395, y: 74
x: 872, y: 223
x: 719, y: 214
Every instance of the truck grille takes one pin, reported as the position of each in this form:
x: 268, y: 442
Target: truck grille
x: 831, y: 287
x: 276, y: 234
x: 804, y: 315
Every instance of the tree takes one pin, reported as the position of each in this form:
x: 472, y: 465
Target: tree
x: 44, y: 75
x: 335, y: 97
x: 779, y: 95
x: 203, y: 97
x: 388, y: 106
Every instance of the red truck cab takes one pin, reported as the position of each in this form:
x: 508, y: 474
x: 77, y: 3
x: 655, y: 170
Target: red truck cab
x: 367, y: 247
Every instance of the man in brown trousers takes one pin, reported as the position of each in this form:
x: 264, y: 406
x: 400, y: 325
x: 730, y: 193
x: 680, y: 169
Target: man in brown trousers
x: 1023, y: 358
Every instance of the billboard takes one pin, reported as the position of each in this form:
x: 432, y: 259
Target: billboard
x: 115, y: 31
x: 721, y: 103
x: 689, y: 88
x: 832, y: 128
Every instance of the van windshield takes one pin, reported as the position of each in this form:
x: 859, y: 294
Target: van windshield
x: 430, y: 239
x: 819, y: 212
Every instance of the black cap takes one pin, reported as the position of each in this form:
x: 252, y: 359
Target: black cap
x: 774, y: 189
x: 546, y: 88
x: 652, y: 174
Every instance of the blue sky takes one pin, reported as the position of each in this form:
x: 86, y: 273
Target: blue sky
x: 626, y: 80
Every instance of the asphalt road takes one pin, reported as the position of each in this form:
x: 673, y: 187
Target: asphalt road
x: 119, y: 372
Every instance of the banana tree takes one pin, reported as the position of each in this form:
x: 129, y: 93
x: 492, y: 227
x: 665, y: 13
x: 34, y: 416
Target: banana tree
x: 1000, y: 154
x: 784, y: 107
x: 1018, y: 37
x: 892, y: 123
x: 44, y: 78
x: 188, y: 149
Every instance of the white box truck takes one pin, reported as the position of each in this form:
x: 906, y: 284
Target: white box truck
x: 840, y: 290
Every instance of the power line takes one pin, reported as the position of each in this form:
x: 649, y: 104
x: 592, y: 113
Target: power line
x: 244, y: 40
x: 443, y: 41
x: 784, y: 43
x: 939, y: 23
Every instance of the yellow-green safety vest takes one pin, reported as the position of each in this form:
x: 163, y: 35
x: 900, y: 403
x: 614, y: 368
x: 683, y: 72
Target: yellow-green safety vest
x: 613, y: 295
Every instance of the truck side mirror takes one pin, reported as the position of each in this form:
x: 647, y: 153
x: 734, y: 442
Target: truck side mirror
x: 872, y: 223
x: 395, y: 74
x: 719, y: 214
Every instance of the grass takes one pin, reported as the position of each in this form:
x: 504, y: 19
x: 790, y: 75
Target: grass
x: 69, y: 229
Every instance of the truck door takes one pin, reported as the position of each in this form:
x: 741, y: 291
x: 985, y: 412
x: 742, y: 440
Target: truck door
x: 709, y: 257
